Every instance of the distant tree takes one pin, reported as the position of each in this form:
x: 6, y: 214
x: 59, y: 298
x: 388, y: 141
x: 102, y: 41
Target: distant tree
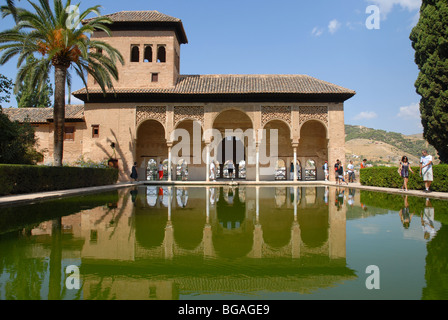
x: 430, y: 42
x: 26, y: 96
x: 6, y: 86
x: 17, y: 142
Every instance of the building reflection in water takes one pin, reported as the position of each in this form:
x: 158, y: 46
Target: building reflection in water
x: 160, y: 242
x: 174, y: 243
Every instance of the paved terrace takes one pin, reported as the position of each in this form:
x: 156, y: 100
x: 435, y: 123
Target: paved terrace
x: 35, y: 197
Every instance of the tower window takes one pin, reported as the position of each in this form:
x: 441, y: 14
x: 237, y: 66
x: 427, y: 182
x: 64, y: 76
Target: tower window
x: 148, y: 54
x: 154, y: 77
x: 161, y: 54
x: 135, y: 54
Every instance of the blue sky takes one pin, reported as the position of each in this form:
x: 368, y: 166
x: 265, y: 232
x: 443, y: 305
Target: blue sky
x: 326, y: 39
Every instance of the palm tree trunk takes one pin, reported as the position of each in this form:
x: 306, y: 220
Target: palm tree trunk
x: 60, y: 75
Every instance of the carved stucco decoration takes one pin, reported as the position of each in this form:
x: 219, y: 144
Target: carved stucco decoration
x: 313, y: 113
x: 151, y: 113
x: 275, y: 113
x: 191, y: 113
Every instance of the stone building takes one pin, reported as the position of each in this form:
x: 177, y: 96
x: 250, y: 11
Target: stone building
x: 155, y: 111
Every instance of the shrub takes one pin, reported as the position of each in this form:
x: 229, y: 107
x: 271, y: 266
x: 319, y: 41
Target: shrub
x: 388, y: 177
x: 16, y: 179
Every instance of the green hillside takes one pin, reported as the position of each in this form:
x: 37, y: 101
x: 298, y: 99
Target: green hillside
x: 410, y: 144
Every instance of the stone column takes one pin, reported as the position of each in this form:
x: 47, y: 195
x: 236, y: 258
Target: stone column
x: 295, y: 161
x: 169, y: 161
x: 207, y: 162
x: 257, y: 162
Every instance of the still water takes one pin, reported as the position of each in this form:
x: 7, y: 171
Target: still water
x: 226, y: 243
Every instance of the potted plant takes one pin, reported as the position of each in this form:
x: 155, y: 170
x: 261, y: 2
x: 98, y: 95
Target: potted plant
x: 113, y: 162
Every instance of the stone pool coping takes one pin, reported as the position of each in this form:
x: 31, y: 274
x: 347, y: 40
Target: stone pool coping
x: 35, y: 197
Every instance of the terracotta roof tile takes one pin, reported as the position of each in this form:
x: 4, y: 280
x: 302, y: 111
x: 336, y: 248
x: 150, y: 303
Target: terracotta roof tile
x: 147, y: 18
x: 239, y: 84
x: 43, y: 115
x: 139, y: 16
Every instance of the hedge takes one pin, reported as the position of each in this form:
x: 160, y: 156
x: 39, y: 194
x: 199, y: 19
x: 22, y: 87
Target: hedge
x: 19, y: 179
x: 388, y: 177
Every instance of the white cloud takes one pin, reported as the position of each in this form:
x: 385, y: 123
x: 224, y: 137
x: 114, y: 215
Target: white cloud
x: 333, y: 26
x: 317, y: 32
x: 410, y: 112
x: 365, y: 115
x: 386, y: 6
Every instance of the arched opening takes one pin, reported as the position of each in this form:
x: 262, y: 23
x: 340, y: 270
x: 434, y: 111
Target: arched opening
x: 165, y: 164
x: 280, y: 170
x: 182, y: 170
x: 313, y: 146
x: 161, y: 54
x: 234, y: 127
x: 298, y: 168
x: 188, y: 146
x: 276, y: 145
x: 151, y: 147
x: 151, y: 170
x: 242, y: 172
x: 147, y: 57
x: 135, y: 54
x: 232, y: 154
x: 310, y: 170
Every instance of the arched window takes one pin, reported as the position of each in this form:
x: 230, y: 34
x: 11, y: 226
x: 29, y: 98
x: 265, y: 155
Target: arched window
x: 310, y: 170
x: 151, y: 170
x: 280, y: 170
x: 182, y: 170
x: 135, y: 54
x: 229, y: 170
x: 148, y: 54
x: 161, y: 54
x: 165, y: 164
x: 242, y: 169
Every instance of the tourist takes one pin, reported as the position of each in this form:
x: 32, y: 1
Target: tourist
x: 160, y: 171
x: 134, y: 174
x: 326, y: 172
x: 230, y: 169
x: 351, y: 171
x: 363, y: 163
x: 184, y: 172
x: 340, y: 173
x: 291, y: 171
x: 336, y: 168
x: 212, y: 171
x: 426, y: 169
x: 403, y: 170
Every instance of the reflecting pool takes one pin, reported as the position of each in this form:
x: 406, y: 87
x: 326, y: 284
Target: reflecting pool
x: 225, y: 242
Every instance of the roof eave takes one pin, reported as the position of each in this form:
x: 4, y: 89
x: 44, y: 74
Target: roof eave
x: 213, y: 97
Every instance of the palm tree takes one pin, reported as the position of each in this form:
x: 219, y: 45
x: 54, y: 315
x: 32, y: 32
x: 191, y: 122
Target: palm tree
x: 51, y: 34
